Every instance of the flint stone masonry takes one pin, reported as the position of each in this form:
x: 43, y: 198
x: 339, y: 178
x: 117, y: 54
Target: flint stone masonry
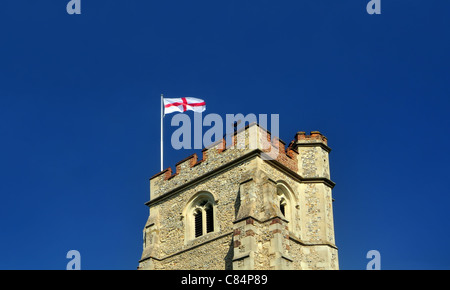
x: 250, y: 231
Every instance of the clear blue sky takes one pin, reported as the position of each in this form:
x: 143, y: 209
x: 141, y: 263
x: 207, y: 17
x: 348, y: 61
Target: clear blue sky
x: 79, y: 116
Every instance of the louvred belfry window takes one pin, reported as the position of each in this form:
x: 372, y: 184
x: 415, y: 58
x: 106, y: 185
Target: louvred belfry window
x: 209, y: 218
x: 200, y: 216
x: 198, y: 223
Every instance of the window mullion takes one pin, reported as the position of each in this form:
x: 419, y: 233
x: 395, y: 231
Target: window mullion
x: 204, y: 220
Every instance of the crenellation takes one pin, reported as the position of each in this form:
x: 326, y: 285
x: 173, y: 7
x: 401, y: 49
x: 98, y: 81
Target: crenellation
x: 313, y: 137
x: 221, y: 155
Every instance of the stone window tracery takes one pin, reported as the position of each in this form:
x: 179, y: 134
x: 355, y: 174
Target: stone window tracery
x: 200, y: 216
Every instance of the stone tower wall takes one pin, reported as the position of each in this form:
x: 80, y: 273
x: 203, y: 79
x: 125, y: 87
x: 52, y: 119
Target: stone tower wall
x: 250, y: 231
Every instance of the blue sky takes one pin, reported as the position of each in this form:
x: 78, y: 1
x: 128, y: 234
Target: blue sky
x: 79, y: 116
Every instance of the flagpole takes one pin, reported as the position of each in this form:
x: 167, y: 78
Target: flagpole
x: 162, y: 131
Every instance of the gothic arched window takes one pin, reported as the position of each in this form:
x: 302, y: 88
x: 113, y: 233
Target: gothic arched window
x: 284, y: 201
x: 200, y: 216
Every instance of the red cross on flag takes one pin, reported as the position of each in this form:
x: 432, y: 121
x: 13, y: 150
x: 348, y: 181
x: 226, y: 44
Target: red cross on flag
x: 183, y: 104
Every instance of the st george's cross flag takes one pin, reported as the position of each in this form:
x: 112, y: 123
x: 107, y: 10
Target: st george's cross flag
x: 183, y: 104
x: 177, y: 105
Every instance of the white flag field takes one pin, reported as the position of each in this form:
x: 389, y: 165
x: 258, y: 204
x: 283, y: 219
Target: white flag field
x: 177, y: 105
x: 183, y: 104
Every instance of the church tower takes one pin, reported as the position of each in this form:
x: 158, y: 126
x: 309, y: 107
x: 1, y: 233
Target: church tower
x: 247, y: 205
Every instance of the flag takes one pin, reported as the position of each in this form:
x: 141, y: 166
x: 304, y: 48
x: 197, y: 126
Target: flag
x: 183, y: 104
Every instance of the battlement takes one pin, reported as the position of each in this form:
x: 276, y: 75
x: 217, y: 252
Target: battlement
x: 315, y: 136
x: 252, y: 139
x: 314, y: 139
